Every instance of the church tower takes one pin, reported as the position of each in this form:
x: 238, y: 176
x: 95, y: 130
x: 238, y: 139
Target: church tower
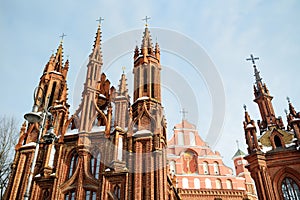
x: 51, y: 100
x: 108, y: 149
x: 241, y: 171
x: 147, y: 131
x: 273, y: 155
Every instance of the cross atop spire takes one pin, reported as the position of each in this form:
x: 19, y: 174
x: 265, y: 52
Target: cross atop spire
x: 146, y: 20
x: 62, y: 37
x: 100, y: 20
x: 252, y: 58
x: 123, y: 69
x: 183, y: 112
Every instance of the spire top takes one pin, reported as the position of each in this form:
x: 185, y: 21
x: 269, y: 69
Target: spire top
x: 123, y: 91
x: 123, y: 69
x: 245, y: 107
x: 288, y: 99
x: 97, y: 54
x: 252, y: 58
x: 256, y: 72
x: 146, y: 20
x: 62, y: 37
x: 100, y: 21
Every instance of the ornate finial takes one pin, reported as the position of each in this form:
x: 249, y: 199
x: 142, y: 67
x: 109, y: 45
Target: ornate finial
x: 52, y: 51
x: 183, y: 112
x: 245, y: 107
x: 123, y: 68
x: 256, y: 72
x: 68, y: 57
x: 288, y: 99
x: 285, y: 111
x: 99, y: 20
x: 62, y: 37
x: 146, y: 19
x: 237, y: 144
x: 252, y: 59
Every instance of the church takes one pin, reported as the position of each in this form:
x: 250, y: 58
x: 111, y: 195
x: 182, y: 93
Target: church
x: 114, y: 148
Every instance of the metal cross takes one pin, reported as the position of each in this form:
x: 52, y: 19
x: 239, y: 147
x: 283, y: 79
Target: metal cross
x: 146, y: 19
x: 100, y: 20
x: 184, y: 112
x: 62, y: 36
x: 123, y: 68
x: 288, y: 99
x: 252, y: 59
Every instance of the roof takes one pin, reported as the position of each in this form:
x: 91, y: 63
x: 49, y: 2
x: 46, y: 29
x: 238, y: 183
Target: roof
x: 238, y: 154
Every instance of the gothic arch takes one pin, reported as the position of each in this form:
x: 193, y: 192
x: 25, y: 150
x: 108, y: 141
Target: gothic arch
x: 70, y: 181
x: 277, y: 140
x: 286, y: 172
x: 144, y: 113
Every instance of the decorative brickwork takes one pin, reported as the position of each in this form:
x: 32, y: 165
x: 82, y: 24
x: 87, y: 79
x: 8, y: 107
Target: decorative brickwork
x: 273, y: 155
x: 200, y: 172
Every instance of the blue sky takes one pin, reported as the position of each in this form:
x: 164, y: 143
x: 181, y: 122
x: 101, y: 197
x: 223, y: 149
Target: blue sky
x: 228, y: 31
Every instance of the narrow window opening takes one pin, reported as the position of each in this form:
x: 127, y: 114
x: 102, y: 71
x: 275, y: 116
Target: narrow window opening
x: 277, y: 141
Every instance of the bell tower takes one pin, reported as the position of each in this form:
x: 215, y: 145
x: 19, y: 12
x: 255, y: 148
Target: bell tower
x: 51, y: 100
x: 264, y: 101
x: 147, y: 131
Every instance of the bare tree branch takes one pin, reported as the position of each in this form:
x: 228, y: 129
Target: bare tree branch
x: 8, y: 138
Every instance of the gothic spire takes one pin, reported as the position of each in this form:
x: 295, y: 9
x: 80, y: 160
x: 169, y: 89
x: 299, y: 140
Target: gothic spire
x: 59, y: 58
x: 247, y: 116
x: 123, y: 91
x: 147, y: 46
x: 257, y: 76
x: 97, y: 53
x: 291, y: 108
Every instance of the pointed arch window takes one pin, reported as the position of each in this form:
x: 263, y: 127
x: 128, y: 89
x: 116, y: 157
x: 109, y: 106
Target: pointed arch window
x: 152, y: 81
x: 52, y: 94
x: 277, y: 141
x: 117, y: 192
x: 73, y: 164
x: 145, y: 79
x: 95, y: 165
x: 90, y: 195
x: 290, y: 189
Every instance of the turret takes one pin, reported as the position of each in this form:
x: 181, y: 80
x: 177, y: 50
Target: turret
x: 264, y: 101
x: 250, y: 133
x: 293, y: 119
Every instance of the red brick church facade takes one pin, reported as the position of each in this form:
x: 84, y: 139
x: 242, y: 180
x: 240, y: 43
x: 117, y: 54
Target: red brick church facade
x: 273, y: 153
x: 112, y: 149
x: 108, y: 149
x: 201, y: 173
